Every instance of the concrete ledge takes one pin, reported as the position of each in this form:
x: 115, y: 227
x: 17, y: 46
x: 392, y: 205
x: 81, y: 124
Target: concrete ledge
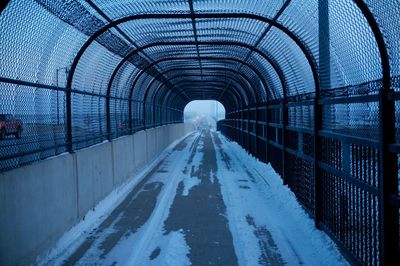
x: 41, y: 201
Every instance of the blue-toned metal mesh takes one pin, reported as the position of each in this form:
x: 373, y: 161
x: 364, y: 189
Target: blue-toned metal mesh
x: 274, y: 72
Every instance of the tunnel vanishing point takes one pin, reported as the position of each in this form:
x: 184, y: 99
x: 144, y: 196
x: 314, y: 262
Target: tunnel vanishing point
x: 310, y: 87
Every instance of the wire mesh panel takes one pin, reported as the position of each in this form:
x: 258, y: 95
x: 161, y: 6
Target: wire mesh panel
x: 88, y: 120
x: 32, y: 124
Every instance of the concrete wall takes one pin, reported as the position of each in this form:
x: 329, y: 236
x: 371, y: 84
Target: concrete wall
x: 140, y: 150
x: 151, y: 143
x: 95, y: 177
x: 41, y: 201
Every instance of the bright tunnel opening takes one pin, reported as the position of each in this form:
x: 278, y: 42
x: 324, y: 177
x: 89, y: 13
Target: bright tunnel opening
x: 204, y: 113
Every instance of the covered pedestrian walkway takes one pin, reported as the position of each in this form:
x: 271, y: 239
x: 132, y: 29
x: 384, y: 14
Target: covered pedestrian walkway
x: 98, y: 88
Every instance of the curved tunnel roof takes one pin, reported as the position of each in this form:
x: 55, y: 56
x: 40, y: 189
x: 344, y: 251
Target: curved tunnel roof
x: 173, y: 52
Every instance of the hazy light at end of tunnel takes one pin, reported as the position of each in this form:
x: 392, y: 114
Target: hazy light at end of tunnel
x: 205, y: 109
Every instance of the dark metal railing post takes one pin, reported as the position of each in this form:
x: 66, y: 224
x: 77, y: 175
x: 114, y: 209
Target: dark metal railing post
x: 325, y: 82
x: 130, y: 115
x: 317, y: 175
x: 284, y: 124
x: 266, y: 132
x: 248, y: 130
x: 388, y: 181
x: 243, y: 129
x: 256, y: 131
x: 68, y: 114
x: 388, y: 164
x: 144, y: 115
x: 153, y: 109
x: 240, y: 127
x: 108, y: 116
x: 237, y: 115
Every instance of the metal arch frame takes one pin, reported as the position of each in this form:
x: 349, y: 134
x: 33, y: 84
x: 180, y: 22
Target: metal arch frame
x: 271, y: 61
x: 204, y: 68
x: 212, y: 95
x: 237, y: 82
x: 196, y: 39
x: 3, y: 5
x: 102, y: 30
x: 283, y: 82
x: 242, y: 93
x: 247, y: 91
x: 205, y: 86
x: 215, y: 58
x: 166, y: 97
x: 388, y: 176
x: 227, y: 101
x: 238, y: 97
x: 226, y: 105
x: 237, y: 94
x: 282, y: 79
x: 195, y: 82
x: 268, y: 21
x: 251, y: 67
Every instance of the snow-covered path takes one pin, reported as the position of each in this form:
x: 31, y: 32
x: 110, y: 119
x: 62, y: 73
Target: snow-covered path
x: 205, y: 202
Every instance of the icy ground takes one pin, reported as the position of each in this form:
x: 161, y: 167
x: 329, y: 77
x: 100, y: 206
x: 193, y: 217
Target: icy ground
x: 204, y: 201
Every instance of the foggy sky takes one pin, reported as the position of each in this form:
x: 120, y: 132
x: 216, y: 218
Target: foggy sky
x: 206, y: 107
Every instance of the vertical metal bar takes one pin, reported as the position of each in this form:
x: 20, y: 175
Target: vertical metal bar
x: 237, y: 115
x: 144, y: 115
x: 130, y: 109
x: 154, y: 116
x: 68, y: 114
x: 248, y: 130
x: 239, y: 127
x: 388, y: 169
x: 256, y: 131
x: 284, y: 125
x: 388, y: 181
x: 267, y: 160
x: 317, y: 176
x: 324, y: 80
x: 108, y: 116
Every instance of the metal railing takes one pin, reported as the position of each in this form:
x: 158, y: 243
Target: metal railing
x: 337, y: 180
x: 42, y: 110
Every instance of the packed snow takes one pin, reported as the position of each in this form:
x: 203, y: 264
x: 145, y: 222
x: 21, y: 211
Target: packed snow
x: 268, y: 225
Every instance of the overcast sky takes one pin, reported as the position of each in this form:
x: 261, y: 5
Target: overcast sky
x: 206, y: 107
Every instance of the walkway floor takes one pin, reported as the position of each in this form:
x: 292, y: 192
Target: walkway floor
x: 206, y: 203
